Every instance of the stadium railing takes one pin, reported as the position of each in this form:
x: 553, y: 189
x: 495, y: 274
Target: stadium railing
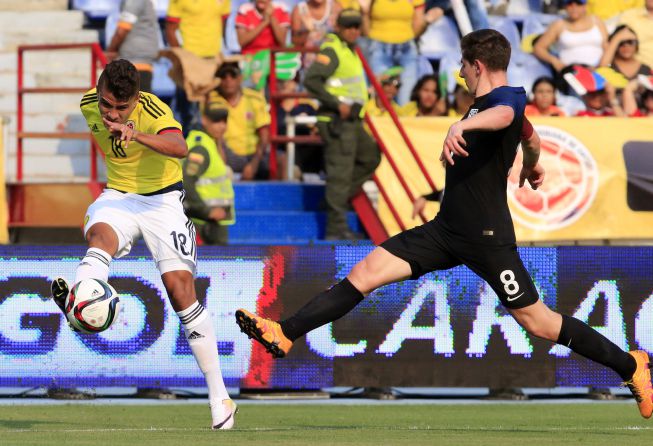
x: 98, y: 61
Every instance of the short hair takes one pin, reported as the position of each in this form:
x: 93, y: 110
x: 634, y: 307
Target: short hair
x: 488, y: 46
x: 414, y: 94
x: 121, y: 78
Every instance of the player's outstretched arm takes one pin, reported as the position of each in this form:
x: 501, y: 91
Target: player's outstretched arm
x: 169, y: 144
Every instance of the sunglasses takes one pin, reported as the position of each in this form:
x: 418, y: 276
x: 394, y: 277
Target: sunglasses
x: 629, y: 42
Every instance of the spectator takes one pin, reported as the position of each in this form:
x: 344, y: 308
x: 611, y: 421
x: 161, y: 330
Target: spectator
x: 262, y: 24
x: 425, y: 99
x: 462, y: 100
x: 207, y: 179
x: 581, y: 38
x: 543, y: 101
x: 201, y: 24
x: 621, y: 53
x: 640, y: 20
x: 308, y: 158
x: 390, y: 81
x: 337, y: 80
x: 137, y: 38
x: 248, y: 133
x: 312, y: 20
x: 601, y: 102
x: 610, y: 9
x: 630, y: 103
x: 392, y: 27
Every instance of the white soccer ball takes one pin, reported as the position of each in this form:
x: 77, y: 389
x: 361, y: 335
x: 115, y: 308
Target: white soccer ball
x: 92, y: 306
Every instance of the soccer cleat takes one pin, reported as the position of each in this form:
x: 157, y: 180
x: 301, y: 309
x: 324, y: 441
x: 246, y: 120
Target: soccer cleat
x: 265, y: 331
x: 60, y: 290
x: 225, y: 420
x: 640, y: 383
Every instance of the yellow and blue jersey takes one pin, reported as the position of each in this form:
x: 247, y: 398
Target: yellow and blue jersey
x: 136, y: 168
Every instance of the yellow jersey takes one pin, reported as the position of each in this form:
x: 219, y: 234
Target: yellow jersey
x: 250, y: 114
x: 200, y: 24
x: 137, y: 168
x: 391, y: 21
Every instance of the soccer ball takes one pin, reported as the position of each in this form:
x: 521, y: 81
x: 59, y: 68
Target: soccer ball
x: 92, y: 306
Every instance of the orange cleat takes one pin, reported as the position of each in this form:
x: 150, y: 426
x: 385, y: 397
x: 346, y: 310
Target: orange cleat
x: 640, y: 383
x: 265, y: 331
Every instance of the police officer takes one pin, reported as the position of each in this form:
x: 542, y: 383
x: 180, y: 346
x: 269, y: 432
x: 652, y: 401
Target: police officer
x: 337, y: 80
x: 207, y: 179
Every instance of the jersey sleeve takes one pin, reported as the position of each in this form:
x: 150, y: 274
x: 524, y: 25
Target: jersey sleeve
x: 88, y: 104
x: 129, y: 12
x: 160, y: 117
x: 174, y: 11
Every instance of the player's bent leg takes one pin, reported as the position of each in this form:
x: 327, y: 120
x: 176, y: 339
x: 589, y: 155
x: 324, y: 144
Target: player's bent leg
x: 539, y: 320
x: 200, y: 335
x: 377, y: 269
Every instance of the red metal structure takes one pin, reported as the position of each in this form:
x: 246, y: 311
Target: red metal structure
x: 368, y: 215
x: 98, y: 60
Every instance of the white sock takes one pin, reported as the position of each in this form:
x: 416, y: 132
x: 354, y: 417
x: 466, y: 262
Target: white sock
x: 201, y: 338
x: 94, y: 265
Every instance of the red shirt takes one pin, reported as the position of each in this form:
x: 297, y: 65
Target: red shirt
x: 248, y: 17
x: 595, y: 114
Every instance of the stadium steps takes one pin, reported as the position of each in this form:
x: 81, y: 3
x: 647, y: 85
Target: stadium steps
x: 280, y: 213
x: 44, y: 22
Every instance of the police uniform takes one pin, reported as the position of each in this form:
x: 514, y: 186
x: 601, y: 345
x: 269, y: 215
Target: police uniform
x: 144, y: 191
x: 207, y: 181
x: 474, y: 226
x: 351, y: 155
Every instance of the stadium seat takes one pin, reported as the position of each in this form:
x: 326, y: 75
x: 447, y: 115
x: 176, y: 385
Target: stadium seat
x: 96, y: 9
x: 162, y: 8
x: 508, y: 28
x: 524, y: 69
x: 537, y: 23
x: 440, y: 38
x: 231, y: 45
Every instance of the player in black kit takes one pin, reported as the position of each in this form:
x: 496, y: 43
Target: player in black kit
x: 473, y: 228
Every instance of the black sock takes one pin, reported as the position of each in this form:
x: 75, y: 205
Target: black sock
x: 326, y: 307
x: 591, y: 344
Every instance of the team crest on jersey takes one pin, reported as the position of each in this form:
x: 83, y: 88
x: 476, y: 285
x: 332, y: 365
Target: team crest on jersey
x: 131, y: 124
x: 572, y: 181
x: 472, y: 112
x: 95, y: 128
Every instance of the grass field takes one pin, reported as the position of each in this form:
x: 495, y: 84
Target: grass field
x: 278, y: 424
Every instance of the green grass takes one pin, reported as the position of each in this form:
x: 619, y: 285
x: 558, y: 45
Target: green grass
x: 260, y: 425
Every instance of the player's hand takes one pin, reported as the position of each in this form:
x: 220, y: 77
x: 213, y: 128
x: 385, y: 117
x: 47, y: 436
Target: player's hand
x: 111, y: 55
x: 453, y: 144
x: 122, y: 131
x: 534, y: 175
x: 418, y: 206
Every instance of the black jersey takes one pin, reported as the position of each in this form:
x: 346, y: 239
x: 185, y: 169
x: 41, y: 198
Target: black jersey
x: 475, y: 203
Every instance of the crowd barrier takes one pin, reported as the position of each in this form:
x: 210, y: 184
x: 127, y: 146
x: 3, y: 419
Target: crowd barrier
x: 446, y: 329
x: 598, y: 184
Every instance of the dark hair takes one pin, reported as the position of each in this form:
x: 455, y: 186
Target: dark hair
x: 488, y: 46
x: 647, y: 94
x: 543, y: 80
x: 619, y: 28
x: 121, y: 78
x: 414, y: 94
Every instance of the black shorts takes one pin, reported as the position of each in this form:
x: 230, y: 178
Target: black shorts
x: 431, y: 247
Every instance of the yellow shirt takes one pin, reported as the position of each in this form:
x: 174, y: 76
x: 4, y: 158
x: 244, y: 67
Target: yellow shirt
x: 391, y: 21
x: 137, y: 168
x: 640, y: 21
x: 607, y: 9
x: 250, y: 114
x: 372, y: 109
x: 200, y: 24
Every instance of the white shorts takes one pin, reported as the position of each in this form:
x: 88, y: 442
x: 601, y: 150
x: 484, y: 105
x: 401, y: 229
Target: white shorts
x: 159, y: 219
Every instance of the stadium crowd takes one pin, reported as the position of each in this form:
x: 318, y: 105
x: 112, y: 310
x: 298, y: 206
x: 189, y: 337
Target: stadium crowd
x: 593, y: 59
